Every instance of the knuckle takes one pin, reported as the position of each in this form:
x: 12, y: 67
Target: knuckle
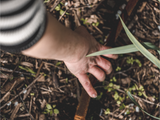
x: 102, y: 75
x: 87, y: 83
x: 109, y: 65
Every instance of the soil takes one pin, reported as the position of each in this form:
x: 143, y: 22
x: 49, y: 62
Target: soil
x: 28, y: 85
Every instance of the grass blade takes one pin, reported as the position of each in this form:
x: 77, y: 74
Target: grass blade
x: 132, y: 98
x: 140, y: 47
x: 124, y: 49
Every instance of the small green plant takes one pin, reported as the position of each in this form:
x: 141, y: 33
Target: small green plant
x: 32, y: 94
x: 130, y: 60
x: 140, y: 90
x: 93, y: 23
x: 46, y: 1
x: 113, y: 79
x: 84, y: 21
x: 107, y: 111
x: 118, y: 98
x: 51, y: 109
x: 122, y: 106
x: 58, y: 63
x: 58, y: 8
x: 127, y: 112
x: 28, y: 70
x: 66, y: 80
x: 99, y: 96
x: 118, y: 68
x: 101, y: 41
x: 111, y: 86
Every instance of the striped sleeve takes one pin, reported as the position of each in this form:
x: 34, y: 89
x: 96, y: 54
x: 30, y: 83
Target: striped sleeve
x: 22, y: 24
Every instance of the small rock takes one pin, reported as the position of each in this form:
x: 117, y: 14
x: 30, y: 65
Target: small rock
x: 117, y: 16
x: 159, y: 27
x: 123, y: 6
x: 133, y: 31
x: 130, y: 118
x: 25, y: 91
x: 131, y: 105
x: 137, y: 109
x: 9, y: 104
x: 66, y: 3
x: 119, y: 12
x: 16, y: 103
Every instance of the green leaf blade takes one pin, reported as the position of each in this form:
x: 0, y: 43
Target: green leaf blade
x: 123, y: 49
x: 142, y: 49
x: 132, y: 98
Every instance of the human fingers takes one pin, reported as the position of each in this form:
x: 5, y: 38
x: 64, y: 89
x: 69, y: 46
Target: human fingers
x: 114, y: 56
x: 105, y: 65
x: 97, y: 72
x: 84, y: 80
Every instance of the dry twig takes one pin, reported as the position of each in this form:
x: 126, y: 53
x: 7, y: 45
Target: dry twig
x: 21, y: 92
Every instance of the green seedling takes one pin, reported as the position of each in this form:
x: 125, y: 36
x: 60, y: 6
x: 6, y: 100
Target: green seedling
x: 58, y: 8
x: 66, y: 80
x: 122, y: 106
x: 99, y: 96
x: 113, y: 79
x: 110, y: 87
x: 28, y: 70
x: 107, y: 111
x: 101, y: 41
x: 95, y: 24
x: 127, y: 112
x: 118, y: 98
x: 139, y: 89
x: 51, y: 109
x: 61, y: 3
x: 32, y: 94
x: 130, y: 60
x: 138, y: 62
x: 84, y: 21
x: 26, y: 85
x: 118, y: 68
x: 58, y: 63
x: 46, y: 1
x: 118, y: 102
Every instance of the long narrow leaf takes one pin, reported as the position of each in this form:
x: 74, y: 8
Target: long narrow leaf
x: 132, y: 98
x: 124, y: 49
x: 140, y: 47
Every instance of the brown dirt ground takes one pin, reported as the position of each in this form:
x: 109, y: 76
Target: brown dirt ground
x: 50, y: 82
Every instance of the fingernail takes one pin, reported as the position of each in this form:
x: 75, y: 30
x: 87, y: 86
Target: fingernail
x: 94, y: 95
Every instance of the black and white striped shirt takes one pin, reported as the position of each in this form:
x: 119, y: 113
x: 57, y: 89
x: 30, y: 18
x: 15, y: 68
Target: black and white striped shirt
x: 22, y: 24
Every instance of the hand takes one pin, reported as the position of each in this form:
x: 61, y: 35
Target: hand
x: 97, y: 66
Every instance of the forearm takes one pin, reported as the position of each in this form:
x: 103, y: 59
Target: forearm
x: 58, y: 42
